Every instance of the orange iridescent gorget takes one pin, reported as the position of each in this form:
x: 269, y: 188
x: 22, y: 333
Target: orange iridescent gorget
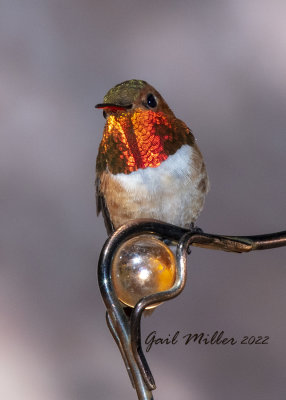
x: 140, y: 139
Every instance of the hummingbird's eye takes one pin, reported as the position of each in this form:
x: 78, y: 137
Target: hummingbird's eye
x: 151, y: 101
x: 104, y: 114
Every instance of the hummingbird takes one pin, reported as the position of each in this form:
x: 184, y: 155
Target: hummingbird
x: 148, y: 163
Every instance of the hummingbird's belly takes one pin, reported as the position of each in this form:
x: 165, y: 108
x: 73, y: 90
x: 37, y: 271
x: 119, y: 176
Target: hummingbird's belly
x: 174, y: 192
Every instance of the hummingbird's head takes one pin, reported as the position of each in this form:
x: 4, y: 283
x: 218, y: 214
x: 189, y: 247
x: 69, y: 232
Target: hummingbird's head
x: 131, y: 95
x: 141, y: 130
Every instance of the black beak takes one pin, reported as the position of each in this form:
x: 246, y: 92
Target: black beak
x: 113, y: 107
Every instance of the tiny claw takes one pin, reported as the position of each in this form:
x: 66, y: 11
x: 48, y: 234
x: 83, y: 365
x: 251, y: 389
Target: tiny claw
x: 195, y: 229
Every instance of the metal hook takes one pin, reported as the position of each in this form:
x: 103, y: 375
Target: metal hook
x: 126, y: 329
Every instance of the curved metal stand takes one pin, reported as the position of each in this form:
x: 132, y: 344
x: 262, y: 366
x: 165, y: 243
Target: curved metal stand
x: 125, y: 329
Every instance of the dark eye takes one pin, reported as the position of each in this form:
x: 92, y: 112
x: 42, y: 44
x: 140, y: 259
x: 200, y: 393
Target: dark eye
x: 151, y: 101
x: 104, y: 114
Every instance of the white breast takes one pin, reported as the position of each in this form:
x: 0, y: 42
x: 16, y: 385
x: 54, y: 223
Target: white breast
x: 170, y: 192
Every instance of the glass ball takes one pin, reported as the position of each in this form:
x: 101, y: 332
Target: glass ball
x: 142, y: 266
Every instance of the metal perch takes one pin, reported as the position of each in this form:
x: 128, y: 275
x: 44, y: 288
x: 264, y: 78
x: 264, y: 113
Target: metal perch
x: 125, y: 328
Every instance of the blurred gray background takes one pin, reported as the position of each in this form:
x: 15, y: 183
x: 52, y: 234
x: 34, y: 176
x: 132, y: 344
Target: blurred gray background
x: 221, y: 67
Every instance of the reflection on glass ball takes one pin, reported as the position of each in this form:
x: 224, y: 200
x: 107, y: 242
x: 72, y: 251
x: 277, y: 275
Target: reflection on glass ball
x: 142, y: 266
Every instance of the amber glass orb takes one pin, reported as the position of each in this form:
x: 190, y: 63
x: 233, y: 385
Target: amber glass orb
x: 142, y: 266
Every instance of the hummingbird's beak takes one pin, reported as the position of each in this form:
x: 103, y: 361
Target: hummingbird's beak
x: 113, y: 107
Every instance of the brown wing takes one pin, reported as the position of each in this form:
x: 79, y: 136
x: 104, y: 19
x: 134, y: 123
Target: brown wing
x: 102, y: 207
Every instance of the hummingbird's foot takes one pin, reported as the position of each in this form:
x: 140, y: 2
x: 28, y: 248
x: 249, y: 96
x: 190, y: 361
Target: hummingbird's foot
x: 195, y: 229
x: 192, y: 227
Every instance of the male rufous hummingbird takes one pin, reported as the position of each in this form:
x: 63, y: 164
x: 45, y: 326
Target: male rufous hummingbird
x: 148, y: 163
